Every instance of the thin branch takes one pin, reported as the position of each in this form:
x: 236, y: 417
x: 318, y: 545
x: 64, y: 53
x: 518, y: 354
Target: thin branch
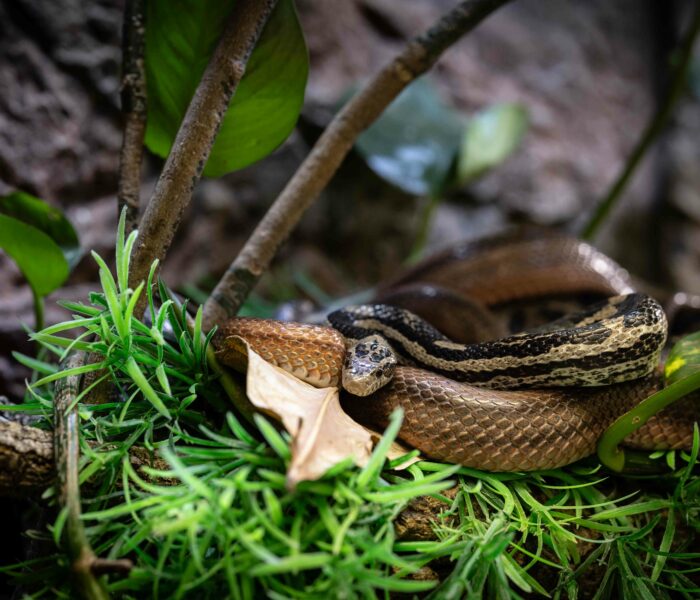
x: 195, y: 138
x: 67, y: 455
x: 330, y: 150
x: 651, y: 133
x: 134, y: 100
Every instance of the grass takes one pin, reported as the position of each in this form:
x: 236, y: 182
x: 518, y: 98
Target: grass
x: 195, y: 496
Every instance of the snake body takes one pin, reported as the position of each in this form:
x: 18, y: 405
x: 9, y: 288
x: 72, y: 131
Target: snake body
x: 508, y: 430
x: 595, y: 352
x: 610, y: 342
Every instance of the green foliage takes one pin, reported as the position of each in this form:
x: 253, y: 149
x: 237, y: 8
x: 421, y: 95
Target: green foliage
x: 41, y: 241
x: 490, y: 137
x: 47, y: 219
x: 36, y: 254
x: 684, y: 358
x: 414, y: 142
x: 179, y: 42
x: 418, y: 140
x: 682, y: 377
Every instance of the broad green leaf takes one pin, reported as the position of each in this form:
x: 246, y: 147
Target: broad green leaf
x: 48, y: 219
x: 180, y: 38
x: 413, y: 144
x: 684, y: 358
x: 491, y: 136
x: 38, y: 257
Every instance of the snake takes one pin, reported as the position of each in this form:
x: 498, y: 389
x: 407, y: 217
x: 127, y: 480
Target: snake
x: 533, y: 400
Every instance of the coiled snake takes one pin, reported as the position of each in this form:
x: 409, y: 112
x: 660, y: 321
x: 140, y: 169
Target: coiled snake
x: 588, y: 368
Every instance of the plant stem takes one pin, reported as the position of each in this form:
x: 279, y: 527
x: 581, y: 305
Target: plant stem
x: 652, y: 131
x: 195, y: 138
x: 609, y: 452
x: 67, y: 454
x: 331, y: 148
x: 38, y: 303
x: 426, y: 220
x: 134, y: 103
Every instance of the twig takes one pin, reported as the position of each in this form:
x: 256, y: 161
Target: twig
x: 195, y: 137
x: 330, y: 150
x: 67, y: 454
x: 652, y: 131
x: 134, y: 100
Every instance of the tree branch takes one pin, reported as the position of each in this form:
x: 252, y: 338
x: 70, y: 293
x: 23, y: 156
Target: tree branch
x: 134, y: 99
x: 330, y: 150
x: 27, y: 464
x: 195, y: 137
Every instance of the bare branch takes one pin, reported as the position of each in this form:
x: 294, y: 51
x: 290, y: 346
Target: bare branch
x: 134, y: 99
x: 330, y: 150
x: 195, y: 138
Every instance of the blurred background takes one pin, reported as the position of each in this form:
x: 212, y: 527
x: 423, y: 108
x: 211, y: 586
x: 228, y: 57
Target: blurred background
x: 568, y: 85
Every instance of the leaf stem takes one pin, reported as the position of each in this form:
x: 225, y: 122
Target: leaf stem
x: 609, y: 452
x: 419, y: 55
x: 426, y: 220
x: 651, y: 133
x: 38, y: 304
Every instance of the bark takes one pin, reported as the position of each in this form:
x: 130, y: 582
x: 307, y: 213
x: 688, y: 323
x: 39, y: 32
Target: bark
x: 27, y: 465
x: 66, y: 443
x: 134, y: 109
x: 28, y: 468
x: 330, y: 150
x: 196, y: 135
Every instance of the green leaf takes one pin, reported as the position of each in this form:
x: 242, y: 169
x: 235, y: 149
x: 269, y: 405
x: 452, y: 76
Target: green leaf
x: 38, y: 257
x: 413, y: 144
x: 684, y: 358
x: 47, y: 219
x: 491, y: 136
x: 180, y: 38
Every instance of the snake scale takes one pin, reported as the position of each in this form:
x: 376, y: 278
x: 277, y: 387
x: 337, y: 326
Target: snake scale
x: 581, y: 372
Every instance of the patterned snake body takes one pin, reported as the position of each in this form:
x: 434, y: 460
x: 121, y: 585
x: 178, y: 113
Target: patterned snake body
x: 610, y: 342
x: 496, y: 429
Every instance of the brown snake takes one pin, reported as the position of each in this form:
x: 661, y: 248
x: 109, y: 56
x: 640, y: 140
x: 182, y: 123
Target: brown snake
x: 495, y: 430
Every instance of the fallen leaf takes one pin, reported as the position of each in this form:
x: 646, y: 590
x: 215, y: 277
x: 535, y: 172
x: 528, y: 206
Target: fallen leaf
x: 323, y: 434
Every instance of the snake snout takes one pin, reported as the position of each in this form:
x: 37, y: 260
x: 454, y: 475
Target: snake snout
x: 369, y: 364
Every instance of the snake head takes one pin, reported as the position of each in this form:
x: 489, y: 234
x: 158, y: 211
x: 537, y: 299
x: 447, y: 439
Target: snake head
x: 369, y: 365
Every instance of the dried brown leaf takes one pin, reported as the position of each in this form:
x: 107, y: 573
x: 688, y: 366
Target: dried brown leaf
x: 323, y: 434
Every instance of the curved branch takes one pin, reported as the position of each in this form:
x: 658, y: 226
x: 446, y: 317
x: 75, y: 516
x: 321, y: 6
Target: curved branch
x: 331, y: 148
x: 196, y: 135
